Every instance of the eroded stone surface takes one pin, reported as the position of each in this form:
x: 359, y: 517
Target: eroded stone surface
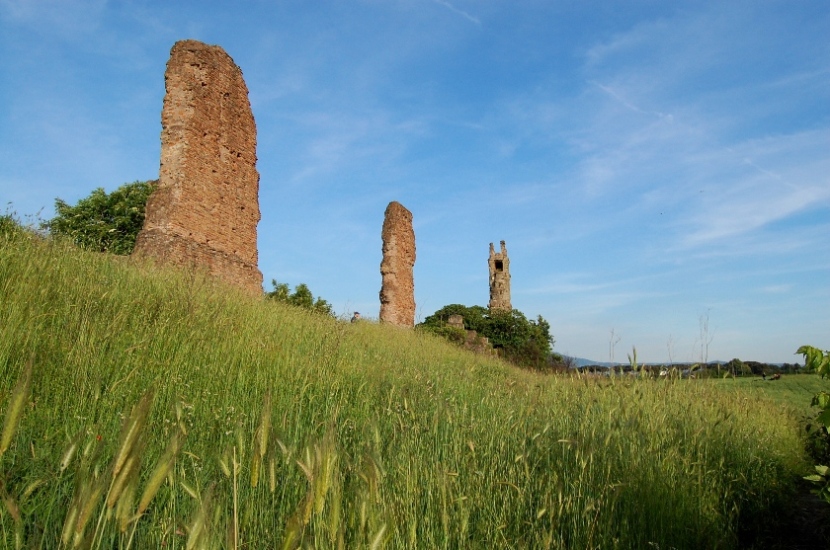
x: 499, y: 265
x: 456, y: 321
x: 397, y: 293
x: 205, y: 210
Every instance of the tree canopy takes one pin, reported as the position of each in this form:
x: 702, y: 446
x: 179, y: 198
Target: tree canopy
x: 301, y: 297
x: 104, y: 222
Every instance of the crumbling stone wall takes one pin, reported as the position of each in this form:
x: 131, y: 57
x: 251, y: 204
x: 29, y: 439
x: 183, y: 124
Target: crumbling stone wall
x: 397, y: 293
x: 456, y: 321
x: 472, y: 341
x: 499, y: 265
x: 205, y: 210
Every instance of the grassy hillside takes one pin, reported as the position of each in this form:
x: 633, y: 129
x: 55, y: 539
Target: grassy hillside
x: 158, y: 409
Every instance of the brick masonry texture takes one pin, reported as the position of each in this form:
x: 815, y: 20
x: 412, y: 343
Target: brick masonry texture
x: 205, y: 210
x: 397, y: 293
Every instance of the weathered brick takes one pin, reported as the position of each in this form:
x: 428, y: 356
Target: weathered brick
x: 397, y: 293
x: 205, y: 210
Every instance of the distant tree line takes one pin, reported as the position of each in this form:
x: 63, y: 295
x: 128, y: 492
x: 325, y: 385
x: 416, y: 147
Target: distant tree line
x: 734, y: 368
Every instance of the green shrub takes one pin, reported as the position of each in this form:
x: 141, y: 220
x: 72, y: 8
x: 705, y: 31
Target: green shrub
x: 301, y: 297
x: 104, y: 222
x: 9, y: 225
x: 521, y: 341
x: 817, y: 443
x: 453, y: 334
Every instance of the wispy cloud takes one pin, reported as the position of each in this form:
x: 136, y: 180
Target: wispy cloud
x: 618, y: 96
x: 777, y: 289
x: 460, y: 12
x: 65, y: 18
x: 761, y: 182
x: 644, y: 138
x: 340, y: 142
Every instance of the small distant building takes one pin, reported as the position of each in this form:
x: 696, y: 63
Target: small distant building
x: 499, y: 279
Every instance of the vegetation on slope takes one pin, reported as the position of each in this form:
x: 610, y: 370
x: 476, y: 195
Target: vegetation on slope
x: 104, y: 222
x: 301, y: 296
x: 147, y: 408
x: 524, y: 342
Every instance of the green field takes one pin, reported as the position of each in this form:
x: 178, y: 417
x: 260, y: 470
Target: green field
x: 794, y: 391
x: 164, y: 410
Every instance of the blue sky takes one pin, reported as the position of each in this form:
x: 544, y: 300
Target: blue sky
x: 650, y: 164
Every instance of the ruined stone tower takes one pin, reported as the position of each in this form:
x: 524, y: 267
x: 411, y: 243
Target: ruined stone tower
x: 205, y: 210
x: 397, y: 292
x: 499, y: 279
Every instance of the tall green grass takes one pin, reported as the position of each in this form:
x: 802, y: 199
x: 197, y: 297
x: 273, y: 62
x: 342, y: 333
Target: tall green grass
x: 165, y: 410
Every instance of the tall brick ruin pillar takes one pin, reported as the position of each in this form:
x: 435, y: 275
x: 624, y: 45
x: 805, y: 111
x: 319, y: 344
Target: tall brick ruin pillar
x: 397, y: 293
x: 205, y: 210
x: 499, y: 265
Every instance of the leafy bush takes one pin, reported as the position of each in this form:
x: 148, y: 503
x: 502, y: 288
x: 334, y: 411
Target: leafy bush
x: 104, y: 222
x: 475, y: 317
x: 819, y: 362
x: 524, y: 342
x: 453, y: 334
x: 301, y: 297
x: 9, y: 225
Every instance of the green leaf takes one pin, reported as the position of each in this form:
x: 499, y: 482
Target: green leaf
x: 821, y: 399
x: 824, y: 417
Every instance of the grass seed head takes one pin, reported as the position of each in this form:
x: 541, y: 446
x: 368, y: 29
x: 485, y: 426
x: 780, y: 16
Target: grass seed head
x: 160, y: 472
x: 17, y: 403
x: 133, y: 430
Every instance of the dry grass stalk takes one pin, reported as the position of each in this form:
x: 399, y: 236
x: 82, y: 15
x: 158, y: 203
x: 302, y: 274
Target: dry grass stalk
x: 199, y: 531
x: 89, y: 503
x: 70, y: 451
x: 272, y: 474
x: 379, y: 539
x: 160, y: 472
x: 31, y: 488
x: 128, y: 471
x: 261, y: 441
x: 14, y: 511
x: 124, y: 508
x: 19, y: 396
x: 69, y: 522
x: 132, y: 430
